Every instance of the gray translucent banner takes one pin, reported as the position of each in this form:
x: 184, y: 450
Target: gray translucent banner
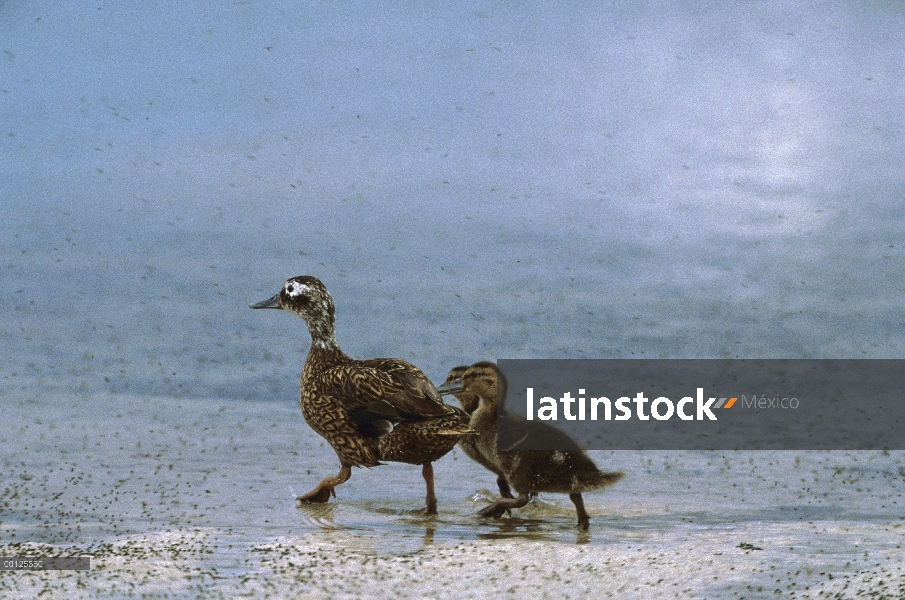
x: 703, y: 404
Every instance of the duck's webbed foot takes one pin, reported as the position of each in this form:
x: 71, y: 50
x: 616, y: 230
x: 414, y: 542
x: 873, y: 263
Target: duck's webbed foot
x: 494, y: 510
x: 324, y: 489
x: 321, y: 493
x: 497, y: 509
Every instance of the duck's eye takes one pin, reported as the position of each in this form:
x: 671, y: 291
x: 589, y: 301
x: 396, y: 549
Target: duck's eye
x: 290, y: 289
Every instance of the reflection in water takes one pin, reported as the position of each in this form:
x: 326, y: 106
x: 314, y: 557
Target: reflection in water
x: 519, y: 529
x: 429, y: 535
x: 321, y: 515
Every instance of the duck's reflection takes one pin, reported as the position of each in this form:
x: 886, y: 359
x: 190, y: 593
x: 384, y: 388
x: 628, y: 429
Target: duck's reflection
x: 429, y: 530
x: 526, y: 529
x: 321, y: 516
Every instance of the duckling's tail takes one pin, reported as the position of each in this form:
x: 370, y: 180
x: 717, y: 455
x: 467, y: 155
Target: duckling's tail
x: 600, y: 479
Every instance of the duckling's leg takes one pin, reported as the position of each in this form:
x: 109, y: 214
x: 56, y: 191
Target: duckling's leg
x: 427, y: 471
x: 584, y: 521
x: 324, y: 489
x: 505, y: 492
x: 497, y: 509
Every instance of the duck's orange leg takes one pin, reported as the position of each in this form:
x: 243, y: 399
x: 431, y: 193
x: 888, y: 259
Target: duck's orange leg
x: 324, y: 489
x: 427, y: 471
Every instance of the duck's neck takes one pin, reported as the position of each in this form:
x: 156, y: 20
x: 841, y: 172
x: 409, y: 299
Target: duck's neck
x: 486, y: 410
x: 484, y: 421
x: 323, y: 333
x: 324, y: 353
x: 327, y: 343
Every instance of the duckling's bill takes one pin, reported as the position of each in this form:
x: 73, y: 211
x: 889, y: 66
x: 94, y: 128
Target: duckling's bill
x: 273, y: 302
x: 453, y: 387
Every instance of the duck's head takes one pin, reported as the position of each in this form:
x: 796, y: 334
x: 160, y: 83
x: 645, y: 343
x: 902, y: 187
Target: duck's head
x: 308, y: 298
x: 453, y: 385
x: 484, y: 379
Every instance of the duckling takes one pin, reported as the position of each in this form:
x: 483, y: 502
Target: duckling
x: 563, y: 471
x: 368, y: 410
x: 469, y: 444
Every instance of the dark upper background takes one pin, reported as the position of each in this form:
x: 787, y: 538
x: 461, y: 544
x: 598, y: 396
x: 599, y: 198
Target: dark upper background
x: 471, y: 180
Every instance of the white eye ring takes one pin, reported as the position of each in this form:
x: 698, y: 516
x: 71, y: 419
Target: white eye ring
x: 297, y: 289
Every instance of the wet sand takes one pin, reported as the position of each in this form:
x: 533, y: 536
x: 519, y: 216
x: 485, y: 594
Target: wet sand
x: 194, y: 498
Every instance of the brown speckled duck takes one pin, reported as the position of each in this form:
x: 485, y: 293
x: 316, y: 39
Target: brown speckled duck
x: 469, y: 402
x: 528, y: 471
x: 368, y: 410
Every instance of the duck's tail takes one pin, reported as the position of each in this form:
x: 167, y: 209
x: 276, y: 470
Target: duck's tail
x: 594, y: 480
x: 605, y: 478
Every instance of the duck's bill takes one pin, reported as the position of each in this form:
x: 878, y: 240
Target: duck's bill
x: 269, y: 303
x: 453, y: 387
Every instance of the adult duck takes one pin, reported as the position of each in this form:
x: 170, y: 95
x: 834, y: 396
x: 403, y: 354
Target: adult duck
x: 368, y: 410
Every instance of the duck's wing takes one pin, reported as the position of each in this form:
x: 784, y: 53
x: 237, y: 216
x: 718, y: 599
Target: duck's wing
x: 379, y: 393
x: 410, y: 391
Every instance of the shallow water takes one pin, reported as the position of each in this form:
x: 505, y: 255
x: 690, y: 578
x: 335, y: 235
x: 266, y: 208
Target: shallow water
x: 153, y: 485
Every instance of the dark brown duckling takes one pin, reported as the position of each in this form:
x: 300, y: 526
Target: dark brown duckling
x: 368, y: 410
x: 469, y: 444
x: 528, y: 471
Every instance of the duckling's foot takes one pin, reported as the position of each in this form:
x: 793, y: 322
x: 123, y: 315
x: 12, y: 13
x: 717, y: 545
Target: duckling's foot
x: 497, y: 509
x: 321, y: 493
x: 505, y: 491
x: 494, y: 510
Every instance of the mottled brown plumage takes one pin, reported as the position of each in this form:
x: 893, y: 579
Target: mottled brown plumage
x: 528, y: 471
x: 368, y: 410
